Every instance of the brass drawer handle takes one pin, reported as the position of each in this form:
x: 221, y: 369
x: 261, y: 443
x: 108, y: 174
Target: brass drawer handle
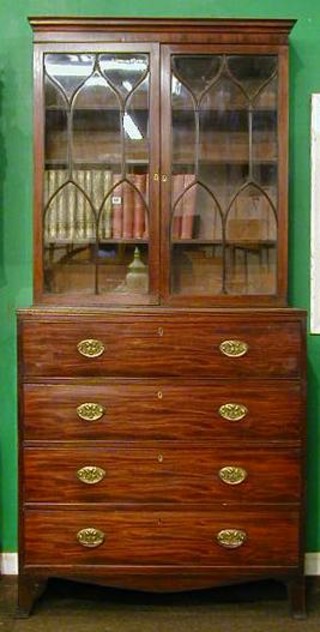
x: 233, y: 348
x: 231, y: 538
x: 89, y: 411
x: 90, y: 348
x: 232, y: 474
x: 91, y: 474
x: 90, y: 537
x: 232, y: 411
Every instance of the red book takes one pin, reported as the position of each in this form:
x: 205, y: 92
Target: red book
x: 177, y: 209
x: 139, y: 179
x: 127, y: 226
x: 146, y: 213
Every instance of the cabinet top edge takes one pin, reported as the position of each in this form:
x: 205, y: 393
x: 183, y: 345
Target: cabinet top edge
x: 167, y: 25
x: 74, y: 312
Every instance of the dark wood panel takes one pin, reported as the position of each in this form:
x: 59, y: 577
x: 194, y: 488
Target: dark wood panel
x: 160, y: 473
x: 161, y: 347
x: 165, y: 537
x: 163, y: 409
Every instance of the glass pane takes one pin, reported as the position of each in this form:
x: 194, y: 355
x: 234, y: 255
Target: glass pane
x: 56, y: 125
x: 96, y: 192
x: 196, y: 72
x: 136, y: 128
x: 251, y: 230
x: 96, y: 110
x: 68, y: 72
x: 224, y: 174
x: 252, y: 72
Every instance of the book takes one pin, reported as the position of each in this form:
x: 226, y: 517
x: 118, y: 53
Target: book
x: 177, y: 204
x: 117, y: 208
x: 146, y: 210
x: 139, y: 207
x: 50, y: 187
x: 58, y: 210
x: 183, y: 204
x: 90, y: 212
x: 68, y: 194
x: 128, y: 211
x: 105, y: 213
x: 80, y: 216
x: 188, y: 207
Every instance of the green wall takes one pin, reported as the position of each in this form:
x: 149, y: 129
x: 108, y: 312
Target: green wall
x: 16, y: 196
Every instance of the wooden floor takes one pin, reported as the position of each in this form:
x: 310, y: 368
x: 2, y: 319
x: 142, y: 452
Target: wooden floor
x: 71, y: 607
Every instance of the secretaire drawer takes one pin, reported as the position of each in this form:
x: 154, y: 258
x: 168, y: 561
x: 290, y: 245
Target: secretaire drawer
x: 253, y: 538
x: 161, y: 473
x: 162, y: 409
x: 187, y: 346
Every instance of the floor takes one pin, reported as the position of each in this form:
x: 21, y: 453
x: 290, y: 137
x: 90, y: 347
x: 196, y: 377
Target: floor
x: 71, y: 607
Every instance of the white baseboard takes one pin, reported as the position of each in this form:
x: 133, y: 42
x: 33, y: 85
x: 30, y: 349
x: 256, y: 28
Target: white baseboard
x: 312, y: 563
x: 9, y: 563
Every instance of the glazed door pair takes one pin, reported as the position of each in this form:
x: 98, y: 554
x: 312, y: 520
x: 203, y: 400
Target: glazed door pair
x: 161, y: 179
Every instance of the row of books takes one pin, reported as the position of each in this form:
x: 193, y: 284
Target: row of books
x: 94, y: 203
x: 183, y: 202
x: 196, y: 214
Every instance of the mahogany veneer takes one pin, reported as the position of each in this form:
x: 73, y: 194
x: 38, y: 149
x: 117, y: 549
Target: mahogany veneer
x: 162, y: 376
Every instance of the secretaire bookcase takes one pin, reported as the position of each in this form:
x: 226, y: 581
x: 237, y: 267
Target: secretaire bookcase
x: 161, y: 371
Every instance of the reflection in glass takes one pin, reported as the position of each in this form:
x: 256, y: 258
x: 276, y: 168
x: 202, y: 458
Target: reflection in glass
x: 96, y: 192
x: 224, y: 175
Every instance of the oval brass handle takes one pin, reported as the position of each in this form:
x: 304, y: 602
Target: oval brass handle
x: 91, y: 474
x: 232, y: 474
x: 233, y: 411
x: 90, y: 348
x: 89, y: 411
x: 231, y: 538
x: 233, y: 348
x: 90, y: 537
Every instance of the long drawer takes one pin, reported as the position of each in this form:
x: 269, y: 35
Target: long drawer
x: 161, y: 474
x: 186, y: 537
x: 160, y: 409
x: 154, y: 346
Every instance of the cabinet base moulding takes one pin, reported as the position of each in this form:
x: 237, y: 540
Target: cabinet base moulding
x: 9, y: 564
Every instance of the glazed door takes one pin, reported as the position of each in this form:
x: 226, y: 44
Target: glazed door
x: 224, y: 182
x: 99, y: 195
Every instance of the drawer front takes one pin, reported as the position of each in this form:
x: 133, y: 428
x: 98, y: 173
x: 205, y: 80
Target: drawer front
x: 158, y: 409
x: 159, y: 347
x: 189, y: 474
x: 173, y: 538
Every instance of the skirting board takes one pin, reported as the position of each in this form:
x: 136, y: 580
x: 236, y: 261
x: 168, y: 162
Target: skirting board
x: 9, y: 564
